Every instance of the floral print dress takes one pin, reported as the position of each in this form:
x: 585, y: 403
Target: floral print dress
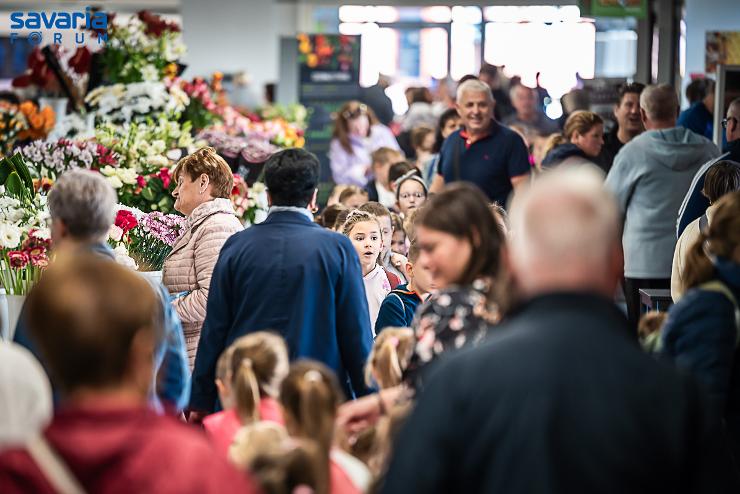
x: 452, y: 319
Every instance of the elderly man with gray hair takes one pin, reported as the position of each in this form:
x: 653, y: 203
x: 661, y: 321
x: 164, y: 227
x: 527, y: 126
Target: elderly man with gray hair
x: 483, y: 152
x: 561, y: 399
x: 649, y: 178
x: 82, y: 205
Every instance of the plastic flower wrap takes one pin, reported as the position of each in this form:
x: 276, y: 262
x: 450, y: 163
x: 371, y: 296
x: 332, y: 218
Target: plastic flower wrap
x: 145, y: 238
x: 137, y: 101
x: 144, y: 146
x: 49, y: 159
x: 143, y: 49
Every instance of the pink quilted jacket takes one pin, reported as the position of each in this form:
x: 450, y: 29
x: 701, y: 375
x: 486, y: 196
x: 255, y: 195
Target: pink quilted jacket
x: 189, y: 266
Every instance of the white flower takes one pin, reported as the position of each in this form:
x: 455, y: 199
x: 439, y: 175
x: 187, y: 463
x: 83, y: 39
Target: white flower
x: 149, y: 73
x: 115, y: 233
x: 10, y: 236
x: 258, y: 188
x: 115, y: 182
x: 127, y: 175
x: 43, y: 233
x: 157, y: 160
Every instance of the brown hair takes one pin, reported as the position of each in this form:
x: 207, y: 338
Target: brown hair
x: 384, y: 156
x: 650, y: 323
x: 376, y: 209
x: 350, y: 191
x: 722, y: 178
x: 341, y: 218
x: 721, y: 239
x: 310, y: 395
x: 409, y: 223
x: 207, y: 161
x: 389, y: 357
x: 348, y: 111
x: 330, y: 214
x: 418, y: 134
x: 357, y: 216
x: 259, y: 362
x: 84, y: 315
x: 396, y: 222
x: 581, y: 121
x: 462, y: 211
x: 413, y: 253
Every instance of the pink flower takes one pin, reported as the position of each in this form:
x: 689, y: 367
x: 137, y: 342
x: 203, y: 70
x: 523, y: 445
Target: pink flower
x: 164, y: 175
x: 141, y: 181
x: 18, y: 259
x: 40, y: 261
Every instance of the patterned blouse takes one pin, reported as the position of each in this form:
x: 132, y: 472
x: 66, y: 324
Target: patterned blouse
x: 452, y: 319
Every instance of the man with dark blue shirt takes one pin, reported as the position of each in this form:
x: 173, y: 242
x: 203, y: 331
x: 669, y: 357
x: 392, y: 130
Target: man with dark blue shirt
x: 483, y: 152
x: 699, y: 116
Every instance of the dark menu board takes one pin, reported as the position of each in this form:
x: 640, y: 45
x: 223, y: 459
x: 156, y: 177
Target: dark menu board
x: 329, y: 73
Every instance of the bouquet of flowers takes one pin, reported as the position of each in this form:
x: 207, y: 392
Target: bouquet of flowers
x: 49, y: 159
x: 146, y: 48
x: 12, y: 124
x: 24, y: 233
x: 201, y: 111
x: 146, y: 146
x: 248, y: 202
x: 143, y: 240
x: 40, y: 122
x: 294, y: 114
x: 148, y: 192
x: 254, y: 148
x: 137, y: 101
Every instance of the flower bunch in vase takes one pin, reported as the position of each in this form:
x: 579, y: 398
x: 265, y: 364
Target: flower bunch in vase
x: 144, y: 238
x: 24, y: 233
x: 137, y: 101
x: 146, y: 48
x: 49, y: 159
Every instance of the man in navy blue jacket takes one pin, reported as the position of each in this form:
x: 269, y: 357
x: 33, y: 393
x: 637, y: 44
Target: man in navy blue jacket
x: 289, y: 275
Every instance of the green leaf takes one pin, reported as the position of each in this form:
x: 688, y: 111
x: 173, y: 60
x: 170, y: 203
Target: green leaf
x: 148, y: 194
x: 20, y: 166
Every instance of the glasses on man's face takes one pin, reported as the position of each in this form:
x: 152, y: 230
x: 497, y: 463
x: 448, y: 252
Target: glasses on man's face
x: 727, y: 120
x: 409, y: 195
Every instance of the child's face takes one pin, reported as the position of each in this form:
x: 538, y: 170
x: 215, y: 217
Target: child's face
x: 398, y: 243
x: 410, y: 196
x: 420, y: 276
x: 386, y: 231
x: 381, y: 168
x: 366, y: 239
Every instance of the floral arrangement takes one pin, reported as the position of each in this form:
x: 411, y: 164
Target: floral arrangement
x: 149, y: 192
x: 326, y: 52
x: 146, y: 146
x: 49, y: 159
x: 75, y: 65
x: 146, y: 48
x: 201, y: 111
x: 12, y: 123
x: 137, y: 101
x: 294, y: 114
x: 24, y: 233
x: 253, y: 148
x: 248, y: 202
x: 72, y: 126
x: 143, y: 240
x: 40, y: 122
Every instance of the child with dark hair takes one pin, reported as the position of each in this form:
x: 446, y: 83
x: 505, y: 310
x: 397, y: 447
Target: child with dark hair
x: 330, y: 214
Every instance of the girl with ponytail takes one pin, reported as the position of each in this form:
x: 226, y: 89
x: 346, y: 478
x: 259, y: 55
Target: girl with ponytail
x: 310, y: 396
x: 702, y: 332
x: 249, y: 374
x: 389, y: 357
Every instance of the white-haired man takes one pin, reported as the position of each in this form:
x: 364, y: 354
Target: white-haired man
x: 483, y: 152
x: 560, y: 399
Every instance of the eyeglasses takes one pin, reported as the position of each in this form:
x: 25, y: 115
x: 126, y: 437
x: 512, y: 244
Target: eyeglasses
x: 350, y: 114
x: 408, y: 195
x: 727, y: 120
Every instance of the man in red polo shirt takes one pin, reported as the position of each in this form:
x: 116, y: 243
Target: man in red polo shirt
x: 483, y: 152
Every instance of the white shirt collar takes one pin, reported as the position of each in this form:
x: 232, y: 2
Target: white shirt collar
x: 294, y: 209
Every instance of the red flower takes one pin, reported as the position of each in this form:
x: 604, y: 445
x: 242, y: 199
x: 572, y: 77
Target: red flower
x: 141, y: 181
x: 40, y: 261
x: 156, y: 25
x: 81, y: 60
x: 18, y: 259
x: 164, y: 176
x: 125, y: 220
x: 106, y: 156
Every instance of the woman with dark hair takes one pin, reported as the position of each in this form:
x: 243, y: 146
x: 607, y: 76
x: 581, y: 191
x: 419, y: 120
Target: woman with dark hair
x: 461, y: 245
x: 357, y: 133
x: 448, y: 123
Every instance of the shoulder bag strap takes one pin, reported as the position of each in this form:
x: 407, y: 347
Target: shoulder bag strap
x: 403, y: 306
x: 53, y: 467
x: 703, y: 223
x: 456, y: 160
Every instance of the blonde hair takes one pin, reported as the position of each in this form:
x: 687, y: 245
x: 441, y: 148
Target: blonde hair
x: 258, y: 363
x: 389, y: 357
x: 207, y: 161
x: 721, y: 238
x: 358, y: 216
x: 409, y: 224
x: 581, y: 121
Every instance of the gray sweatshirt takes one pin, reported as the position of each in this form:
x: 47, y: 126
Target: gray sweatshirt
x: 650, y: 177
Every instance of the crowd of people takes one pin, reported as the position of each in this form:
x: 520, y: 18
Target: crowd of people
x: 462, y: 316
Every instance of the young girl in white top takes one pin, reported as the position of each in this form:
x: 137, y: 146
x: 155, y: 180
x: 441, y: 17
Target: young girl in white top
x: 363, y: 229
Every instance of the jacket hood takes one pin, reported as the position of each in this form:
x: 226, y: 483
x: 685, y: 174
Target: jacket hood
x: 676, y: 148
x: 728, y: 272
x: 562, y: 152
